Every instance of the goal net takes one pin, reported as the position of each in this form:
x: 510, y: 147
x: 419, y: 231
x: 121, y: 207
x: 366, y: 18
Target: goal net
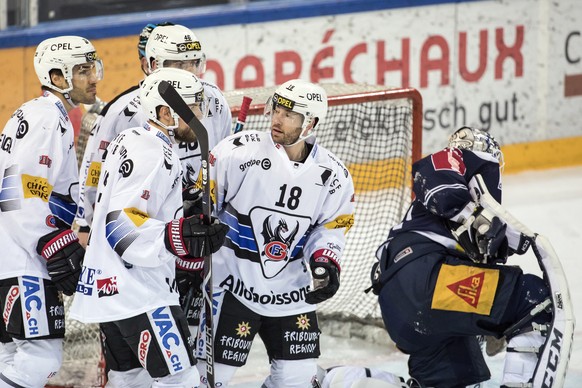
x: 377, y: 133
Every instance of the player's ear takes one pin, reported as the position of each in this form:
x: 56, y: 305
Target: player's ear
x: 58, y: 79
x: 164, y: 113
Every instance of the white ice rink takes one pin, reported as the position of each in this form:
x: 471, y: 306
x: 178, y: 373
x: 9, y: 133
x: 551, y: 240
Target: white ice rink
x: 549, y: 203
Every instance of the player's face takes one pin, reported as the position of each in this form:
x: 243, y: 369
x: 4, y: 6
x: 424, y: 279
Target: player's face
x: 184, y: 133
x: 190, y: 65
x: 285, y: 125
x: 85, y: 81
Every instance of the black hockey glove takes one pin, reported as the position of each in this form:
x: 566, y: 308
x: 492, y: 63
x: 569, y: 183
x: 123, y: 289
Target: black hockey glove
x: 64, y: 256
x: 192, y: 201
x: 325, y: 272
x: 190, y: 236
x: 482, y: 236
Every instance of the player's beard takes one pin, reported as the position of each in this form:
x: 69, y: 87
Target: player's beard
x: 285, y: 138
x: 184, y: 135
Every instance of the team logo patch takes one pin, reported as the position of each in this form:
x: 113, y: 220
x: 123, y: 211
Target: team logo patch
x: 466, y: 289
x: 107, y: 287
x: 12, y: 297
x: 343, y: 221
x: 303, y: 322
x: 36, y: 187
x: 45, y: 160
x: 136, y: 216
x: 402, y: 254
x: 93, y: 174
x: 449, y: 159
x: 278, y: 239
x: 145, y: 339
x: 243, y: 329
x: 146, y: 195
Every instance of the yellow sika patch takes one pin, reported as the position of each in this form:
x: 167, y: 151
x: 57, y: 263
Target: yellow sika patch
x: 466, y: 289
x: 136, y: 216
x: 93, y: 174
x: 36, y: 187
x: 343, y: 221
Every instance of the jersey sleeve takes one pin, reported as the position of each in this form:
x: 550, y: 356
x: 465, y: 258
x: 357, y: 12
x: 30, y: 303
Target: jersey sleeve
x: 440, y: 182
x: 141, y: 187
x: 335, y: 219
x: 118, y: 117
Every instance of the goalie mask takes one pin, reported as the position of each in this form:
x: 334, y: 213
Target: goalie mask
x: 305, y: 98
x: 175, y: 46
x: 476, y: 140
x: 185, y: 83
x: 64, y: 53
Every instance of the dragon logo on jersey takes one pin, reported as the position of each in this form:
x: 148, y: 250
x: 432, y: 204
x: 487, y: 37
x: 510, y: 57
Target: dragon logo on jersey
x: 278, y: 239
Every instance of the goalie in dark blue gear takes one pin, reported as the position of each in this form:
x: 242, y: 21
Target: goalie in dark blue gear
x: 440, y: 281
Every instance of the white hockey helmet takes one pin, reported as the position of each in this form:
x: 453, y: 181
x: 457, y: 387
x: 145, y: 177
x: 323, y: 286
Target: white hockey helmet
x: 476, y: 140
x: 305, y: 98
x: 175, y: 43
x: 63, y: 53
x: 186, y: 84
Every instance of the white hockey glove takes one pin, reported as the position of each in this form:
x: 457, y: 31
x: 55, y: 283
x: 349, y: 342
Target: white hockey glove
x: 482, y: 237
x: 191, y: 236
x: 64, y: 256
x: 325, y: 271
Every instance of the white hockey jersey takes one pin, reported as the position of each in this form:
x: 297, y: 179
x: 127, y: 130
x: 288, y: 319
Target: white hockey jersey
x: 127, y: 269
x: 39, y: 182
x: 279, y: 213
x: 125, y: 112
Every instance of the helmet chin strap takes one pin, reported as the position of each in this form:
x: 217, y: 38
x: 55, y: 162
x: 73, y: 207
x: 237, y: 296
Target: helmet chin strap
x: 69, y: 100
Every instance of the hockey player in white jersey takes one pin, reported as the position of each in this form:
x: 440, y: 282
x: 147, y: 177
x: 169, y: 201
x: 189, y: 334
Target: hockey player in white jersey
x: 173, y: 46
x: 288, y: 203
x: 138, y: 238
x: 38, y: 173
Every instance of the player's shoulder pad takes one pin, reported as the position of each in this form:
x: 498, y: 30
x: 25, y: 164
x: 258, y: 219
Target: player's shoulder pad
x: 49, y: 113
x: 132, y: 90
x: 327, y: 158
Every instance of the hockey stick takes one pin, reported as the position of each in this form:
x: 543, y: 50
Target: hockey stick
x: 242, y: 114
x: 172, y: 97
x: 554, y: 355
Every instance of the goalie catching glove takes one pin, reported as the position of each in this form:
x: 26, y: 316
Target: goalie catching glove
x: 191, y: 237
x: 483, y: 237
x: 325, y: 271
x: 64, y: 258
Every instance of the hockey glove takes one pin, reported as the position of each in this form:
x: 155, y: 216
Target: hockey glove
x: 190, y: 236
x: 482, y: 236
x: 192, y: 199
x: 325, y: 272
x: 64, y: 256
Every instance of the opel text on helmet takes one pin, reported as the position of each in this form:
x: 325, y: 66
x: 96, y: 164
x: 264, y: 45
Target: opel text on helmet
x: 305, y: 98
x: 185, y: 83
x: 175, y: 46
x: 64, y: 53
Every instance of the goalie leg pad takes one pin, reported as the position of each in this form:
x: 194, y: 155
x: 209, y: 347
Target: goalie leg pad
x: 521, y: 358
